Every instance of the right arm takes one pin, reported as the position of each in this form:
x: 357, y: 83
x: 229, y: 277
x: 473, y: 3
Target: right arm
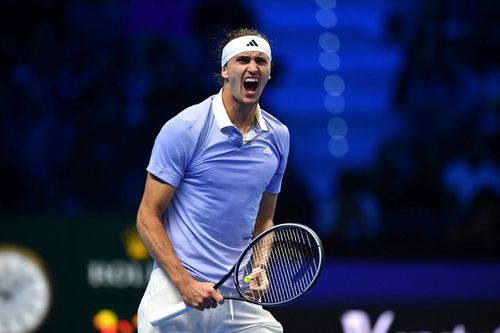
x: 156, y: 198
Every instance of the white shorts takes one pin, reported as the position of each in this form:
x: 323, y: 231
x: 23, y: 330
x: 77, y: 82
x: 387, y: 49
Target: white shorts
x: 232, y: 316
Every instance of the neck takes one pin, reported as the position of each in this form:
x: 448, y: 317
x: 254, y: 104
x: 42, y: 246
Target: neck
x: 241, y: 115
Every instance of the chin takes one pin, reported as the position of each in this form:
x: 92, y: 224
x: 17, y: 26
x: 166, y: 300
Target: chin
x: 249, y: 101
x: 253, y: 96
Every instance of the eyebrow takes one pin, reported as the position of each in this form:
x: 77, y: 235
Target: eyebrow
x: 247, y: 58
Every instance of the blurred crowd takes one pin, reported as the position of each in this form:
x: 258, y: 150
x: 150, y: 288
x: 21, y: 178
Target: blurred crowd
x: 435, y: 186
x: 86, y: 86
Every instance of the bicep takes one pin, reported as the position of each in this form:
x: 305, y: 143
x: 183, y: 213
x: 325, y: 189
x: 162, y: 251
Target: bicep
x: 157, y: 196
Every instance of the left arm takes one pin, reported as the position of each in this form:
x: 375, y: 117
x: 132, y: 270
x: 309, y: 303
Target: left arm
x: 258, y: 277
x: 265, y: 214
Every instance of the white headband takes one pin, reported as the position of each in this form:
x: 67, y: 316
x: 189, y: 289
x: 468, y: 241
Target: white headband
x: 242, y: 44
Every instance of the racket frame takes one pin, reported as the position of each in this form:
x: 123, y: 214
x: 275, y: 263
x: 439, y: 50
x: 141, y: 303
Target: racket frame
x: 234, y: 269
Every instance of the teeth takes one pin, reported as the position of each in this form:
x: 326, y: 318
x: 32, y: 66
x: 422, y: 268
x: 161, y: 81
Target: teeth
x: 251, y: 79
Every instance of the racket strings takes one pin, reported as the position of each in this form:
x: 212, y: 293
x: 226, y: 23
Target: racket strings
x: 294, y: 270
x: 291, y: 258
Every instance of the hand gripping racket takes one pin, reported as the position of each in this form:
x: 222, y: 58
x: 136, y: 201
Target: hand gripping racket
x: 277, y: 267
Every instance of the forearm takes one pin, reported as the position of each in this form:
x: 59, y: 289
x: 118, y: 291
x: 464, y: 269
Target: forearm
x: 160, y: 247
x: 263, y: 222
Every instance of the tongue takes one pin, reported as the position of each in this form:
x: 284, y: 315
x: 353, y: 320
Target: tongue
x: 252, y: 86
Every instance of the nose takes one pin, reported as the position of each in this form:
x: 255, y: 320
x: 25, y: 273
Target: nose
x: 252, y: 67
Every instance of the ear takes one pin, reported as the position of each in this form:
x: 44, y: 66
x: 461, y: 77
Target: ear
x: 223, y: 72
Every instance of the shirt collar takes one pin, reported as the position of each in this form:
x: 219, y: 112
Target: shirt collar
x: 222, y: 118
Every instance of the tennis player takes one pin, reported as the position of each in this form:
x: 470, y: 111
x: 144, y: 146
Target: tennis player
x: 212, y: 184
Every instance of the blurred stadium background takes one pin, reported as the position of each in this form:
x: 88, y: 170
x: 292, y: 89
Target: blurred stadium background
x: 393, y: 107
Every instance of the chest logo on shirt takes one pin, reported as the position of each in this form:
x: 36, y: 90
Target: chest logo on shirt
x: 267, y: 151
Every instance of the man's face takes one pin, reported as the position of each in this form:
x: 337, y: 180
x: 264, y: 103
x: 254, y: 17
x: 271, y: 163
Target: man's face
x: 247, y: 74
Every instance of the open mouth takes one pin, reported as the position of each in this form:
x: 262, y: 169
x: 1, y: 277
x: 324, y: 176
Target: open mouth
x: 251, y: 83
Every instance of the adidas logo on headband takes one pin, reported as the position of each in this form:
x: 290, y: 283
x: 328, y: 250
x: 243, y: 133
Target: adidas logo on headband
x: 242, y: 44
x: 252, y: 43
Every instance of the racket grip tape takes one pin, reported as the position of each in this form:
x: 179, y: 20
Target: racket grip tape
x: 163, y: 315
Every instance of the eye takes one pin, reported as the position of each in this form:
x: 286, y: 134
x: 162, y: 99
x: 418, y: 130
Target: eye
x: 243, y: 60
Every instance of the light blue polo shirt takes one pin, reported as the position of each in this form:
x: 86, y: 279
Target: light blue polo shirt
x: 219, y: 179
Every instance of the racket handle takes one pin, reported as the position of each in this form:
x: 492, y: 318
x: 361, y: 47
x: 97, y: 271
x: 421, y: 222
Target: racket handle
x: 165, y: 314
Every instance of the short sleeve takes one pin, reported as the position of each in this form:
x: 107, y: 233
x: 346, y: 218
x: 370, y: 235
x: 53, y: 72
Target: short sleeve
x: 172, y: 151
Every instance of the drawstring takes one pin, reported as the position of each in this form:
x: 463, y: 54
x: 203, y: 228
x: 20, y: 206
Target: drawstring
x: 231, y: 308
x: 230, y: 293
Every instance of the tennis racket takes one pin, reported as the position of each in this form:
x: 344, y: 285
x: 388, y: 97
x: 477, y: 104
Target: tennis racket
x: 277, y: 267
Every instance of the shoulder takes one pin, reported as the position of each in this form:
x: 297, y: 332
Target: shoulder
x: 278, y: 135
x: 274, y: 125
x: 195, y: 114
x: 186, y: 124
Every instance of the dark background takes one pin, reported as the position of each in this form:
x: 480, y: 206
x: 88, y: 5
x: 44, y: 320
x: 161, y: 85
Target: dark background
x: 393, y: 108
